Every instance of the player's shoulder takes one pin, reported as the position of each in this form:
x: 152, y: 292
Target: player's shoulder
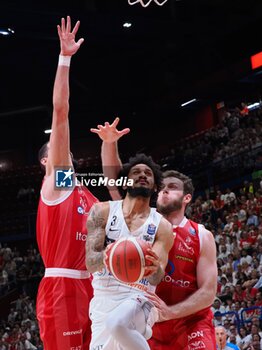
x: 100, y: 208
x: 165, y: 226
x: 206, y: 237
x: 202, y: 230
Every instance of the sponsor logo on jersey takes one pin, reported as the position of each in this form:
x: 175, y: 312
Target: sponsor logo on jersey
x: 80, y: 236
x: 137, y: 286
x: 183, y: 247
x: 97, y: 347
x: 80, y: 210
x: 188, y: 240
x: 184, y: 258
x: 68, y: 333
x: 192, y: 231
x: 180, y: 283
x: 113, y: 234
x: 151, y: 229
x: 170, y: 268
x: 194, y: 335
x: 148, y: 238
x: 84, y: 204
x: 64, y: 178
x: 196, y: 345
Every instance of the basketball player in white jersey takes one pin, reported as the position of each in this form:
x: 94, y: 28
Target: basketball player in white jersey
x: 121, y: 315
x: 189, y: 286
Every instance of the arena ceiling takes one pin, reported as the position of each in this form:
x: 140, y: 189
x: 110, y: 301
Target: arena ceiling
x: 185, y: 49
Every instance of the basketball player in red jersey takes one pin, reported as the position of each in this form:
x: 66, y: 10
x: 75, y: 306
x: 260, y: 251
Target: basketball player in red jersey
x: 65, y: 291
x: 184, y: 296
x: 187, y: 291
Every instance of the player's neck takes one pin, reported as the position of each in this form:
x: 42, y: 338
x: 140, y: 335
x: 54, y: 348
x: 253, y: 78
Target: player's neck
x: 135, y: 205
x: 176, y: 217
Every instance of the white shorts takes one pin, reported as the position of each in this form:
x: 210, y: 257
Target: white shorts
x: 99, y: 310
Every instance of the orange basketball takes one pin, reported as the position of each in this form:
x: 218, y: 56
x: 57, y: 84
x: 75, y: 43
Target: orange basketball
x: 126, y: 259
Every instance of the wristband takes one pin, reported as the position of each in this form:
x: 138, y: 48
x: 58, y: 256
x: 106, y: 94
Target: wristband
x: 64, y: 60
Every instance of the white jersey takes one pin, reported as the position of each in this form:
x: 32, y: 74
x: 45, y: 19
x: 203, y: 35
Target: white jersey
x: 116, y: 227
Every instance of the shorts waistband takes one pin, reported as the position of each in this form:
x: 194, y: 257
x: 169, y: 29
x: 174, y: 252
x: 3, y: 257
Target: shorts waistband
x: 69, y: 273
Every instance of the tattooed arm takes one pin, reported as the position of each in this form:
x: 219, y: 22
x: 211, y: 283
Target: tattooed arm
x: 95, y: 248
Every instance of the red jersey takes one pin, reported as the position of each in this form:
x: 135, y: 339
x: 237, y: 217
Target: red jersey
x: 180, y: 279
x: 61, y: 228
x: 196, y: 330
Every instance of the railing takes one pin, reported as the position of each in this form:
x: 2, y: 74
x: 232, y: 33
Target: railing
x: 243, y: 314
x: 242, y: 319
x: 237, y: 320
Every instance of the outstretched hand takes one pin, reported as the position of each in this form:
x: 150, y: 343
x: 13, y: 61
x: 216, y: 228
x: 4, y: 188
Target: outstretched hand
x: 108, y: 132
x: 68, y: 44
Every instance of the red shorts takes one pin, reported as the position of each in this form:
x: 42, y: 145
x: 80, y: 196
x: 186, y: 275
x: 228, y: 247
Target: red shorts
x: 190, y: 333
x: 62, y: 312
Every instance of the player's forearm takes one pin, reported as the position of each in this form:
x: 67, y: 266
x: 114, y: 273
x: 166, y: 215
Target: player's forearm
x: 111, y: 165
x: 110, y: 157
x: 156, y: 278
x: 94, y: 261
x: 199, y: 300
x: 61, y: 91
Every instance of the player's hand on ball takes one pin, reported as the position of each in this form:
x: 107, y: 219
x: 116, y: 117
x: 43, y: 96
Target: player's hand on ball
x: 152, y: 262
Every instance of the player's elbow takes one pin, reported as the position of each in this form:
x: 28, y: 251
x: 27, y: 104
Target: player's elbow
x: 61, y: 108
x: 89, y: 266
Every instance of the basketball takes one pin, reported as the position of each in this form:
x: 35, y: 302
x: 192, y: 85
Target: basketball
x: 126, y: 259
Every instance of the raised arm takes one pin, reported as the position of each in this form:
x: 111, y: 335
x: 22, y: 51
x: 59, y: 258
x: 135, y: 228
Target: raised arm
x: 59, y: 145
x: 111, y: 161
x: 158, y: 255
x: 95, y: 242
x: 206, y: 280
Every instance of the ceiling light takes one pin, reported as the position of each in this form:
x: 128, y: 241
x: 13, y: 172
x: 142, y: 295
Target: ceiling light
x: 188, y: 102
x: 127, y: 25
x: 6, y: 32
x: 48, y: 131
x: 253, y: 106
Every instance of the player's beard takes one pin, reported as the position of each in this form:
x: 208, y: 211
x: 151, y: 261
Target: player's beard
x: 140, y: 192
x: 171, y: 207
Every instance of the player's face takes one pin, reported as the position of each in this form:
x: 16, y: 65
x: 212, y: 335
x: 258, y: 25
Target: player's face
x: 171, y: 196
x: 44, y: 159
x: 144, y: 181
